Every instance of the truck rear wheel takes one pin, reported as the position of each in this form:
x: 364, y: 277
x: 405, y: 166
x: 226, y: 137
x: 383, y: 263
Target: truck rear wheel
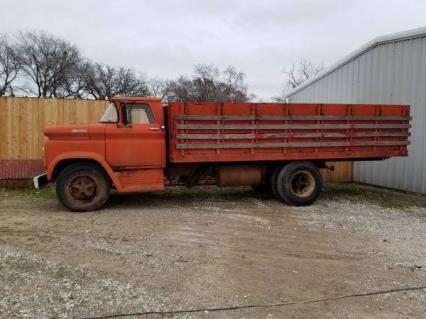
x: 82, y: 187
x: 299, y: 183
x: 273, y: 181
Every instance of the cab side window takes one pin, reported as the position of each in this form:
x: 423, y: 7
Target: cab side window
x: 139, y: 114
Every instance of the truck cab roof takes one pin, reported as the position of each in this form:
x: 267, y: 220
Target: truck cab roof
x: 135, y: 98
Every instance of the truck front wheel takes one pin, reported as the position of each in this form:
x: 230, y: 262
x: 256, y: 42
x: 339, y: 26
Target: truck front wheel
x: 82, y: 187
x: 299, y: 183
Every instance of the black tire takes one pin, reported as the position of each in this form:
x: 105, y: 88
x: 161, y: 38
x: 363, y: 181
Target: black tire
x: 299, y: 183
x: 82, y: 187
x: 273, y: 181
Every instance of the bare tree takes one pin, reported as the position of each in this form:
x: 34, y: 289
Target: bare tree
x: 305, y: 70
x: 74, y: 84
x: 205, y: 82
x: 233, y: 87
x: 47, y: 61
x: 297, y: 74
x: 159, y: 87
x: 9, y: 66
x: 101, y: 81
x: 180, y: 89
x: 54, y: 67
x: 209, y: 84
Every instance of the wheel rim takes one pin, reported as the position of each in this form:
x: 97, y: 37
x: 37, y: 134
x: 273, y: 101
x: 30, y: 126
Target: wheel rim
x: 83, y: 188
x: 302, y: 184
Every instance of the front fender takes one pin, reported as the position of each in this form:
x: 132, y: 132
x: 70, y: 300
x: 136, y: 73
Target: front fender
x: 77, y: 156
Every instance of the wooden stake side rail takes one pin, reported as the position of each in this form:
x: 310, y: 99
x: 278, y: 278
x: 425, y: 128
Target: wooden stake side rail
x: 204, y: 132
x: 292, y: 118
x: 287, y: 127
x: 285, y: 135
x: 274, y: 145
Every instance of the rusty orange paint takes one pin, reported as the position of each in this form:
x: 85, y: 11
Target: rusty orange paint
x: 298, y: 120
x: 137, y: 157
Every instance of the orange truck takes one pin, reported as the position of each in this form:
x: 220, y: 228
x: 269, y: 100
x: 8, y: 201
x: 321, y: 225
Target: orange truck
x: 141, y: 144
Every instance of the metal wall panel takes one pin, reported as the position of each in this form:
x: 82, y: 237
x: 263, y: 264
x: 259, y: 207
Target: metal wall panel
x: 387, y: 73
x: 20, y: 169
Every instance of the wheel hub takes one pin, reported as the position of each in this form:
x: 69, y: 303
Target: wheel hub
x: 302, y: 183
x: 83, y: 188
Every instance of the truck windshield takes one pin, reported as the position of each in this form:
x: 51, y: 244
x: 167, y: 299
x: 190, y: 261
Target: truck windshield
x: 110, y: 115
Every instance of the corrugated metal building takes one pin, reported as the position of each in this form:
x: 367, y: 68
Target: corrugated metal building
x: 390, y: 69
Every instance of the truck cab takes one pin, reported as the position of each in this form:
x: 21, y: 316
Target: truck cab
x: 126, y: 150
x: 134, y: 124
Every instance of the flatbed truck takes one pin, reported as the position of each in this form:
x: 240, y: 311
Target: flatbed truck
x: 141, y: 144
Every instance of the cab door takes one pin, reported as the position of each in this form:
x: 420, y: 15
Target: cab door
x: 140, y: 141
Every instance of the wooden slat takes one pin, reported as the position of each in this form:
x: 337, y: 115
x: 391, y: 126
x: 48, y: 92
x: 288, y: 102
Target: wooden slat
x: 24, y: 130
x: 333, y: 118
x: 215, y: 136
x: 40, y: 125
x: 286, y: 135
x: 342, y: 172
x: 183, y: 146
x: 286, y: 126
x: 32, y: 107
x: 216, y: 117
x: 3, y: 130
x: 13, y: 122
x: 291, y: 118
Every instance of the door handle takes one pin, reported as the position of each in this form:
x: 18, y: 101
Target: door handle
x: 153, y: 129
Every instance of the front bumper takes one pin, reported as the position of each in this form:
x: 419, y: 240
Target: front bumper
x: 40, y: 181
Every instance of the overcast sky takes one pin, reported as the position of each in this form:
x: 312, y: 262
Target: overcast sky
x: 166, y: 38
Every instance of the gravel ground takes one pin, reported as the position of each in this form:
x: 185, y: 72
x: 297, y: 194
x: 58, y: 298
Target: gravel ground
x: 209, y: 248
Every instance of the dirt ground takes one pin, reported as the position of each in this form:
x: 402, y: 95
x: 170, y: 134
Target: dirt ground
x: 359, y: 252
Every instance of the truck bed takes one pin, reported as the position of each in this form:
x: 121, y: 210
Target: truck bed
x: 230, y: 132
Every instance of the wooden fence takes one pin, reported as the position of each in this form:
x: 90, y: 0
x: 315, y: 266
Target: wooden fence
x: 21, y: 124
x: 21, y: 137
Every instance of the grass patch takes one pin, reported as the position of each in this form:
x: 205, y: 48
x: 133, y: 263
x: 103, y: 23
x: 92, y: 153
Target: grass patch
x: 42, y: 193
x: 378, y: 195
